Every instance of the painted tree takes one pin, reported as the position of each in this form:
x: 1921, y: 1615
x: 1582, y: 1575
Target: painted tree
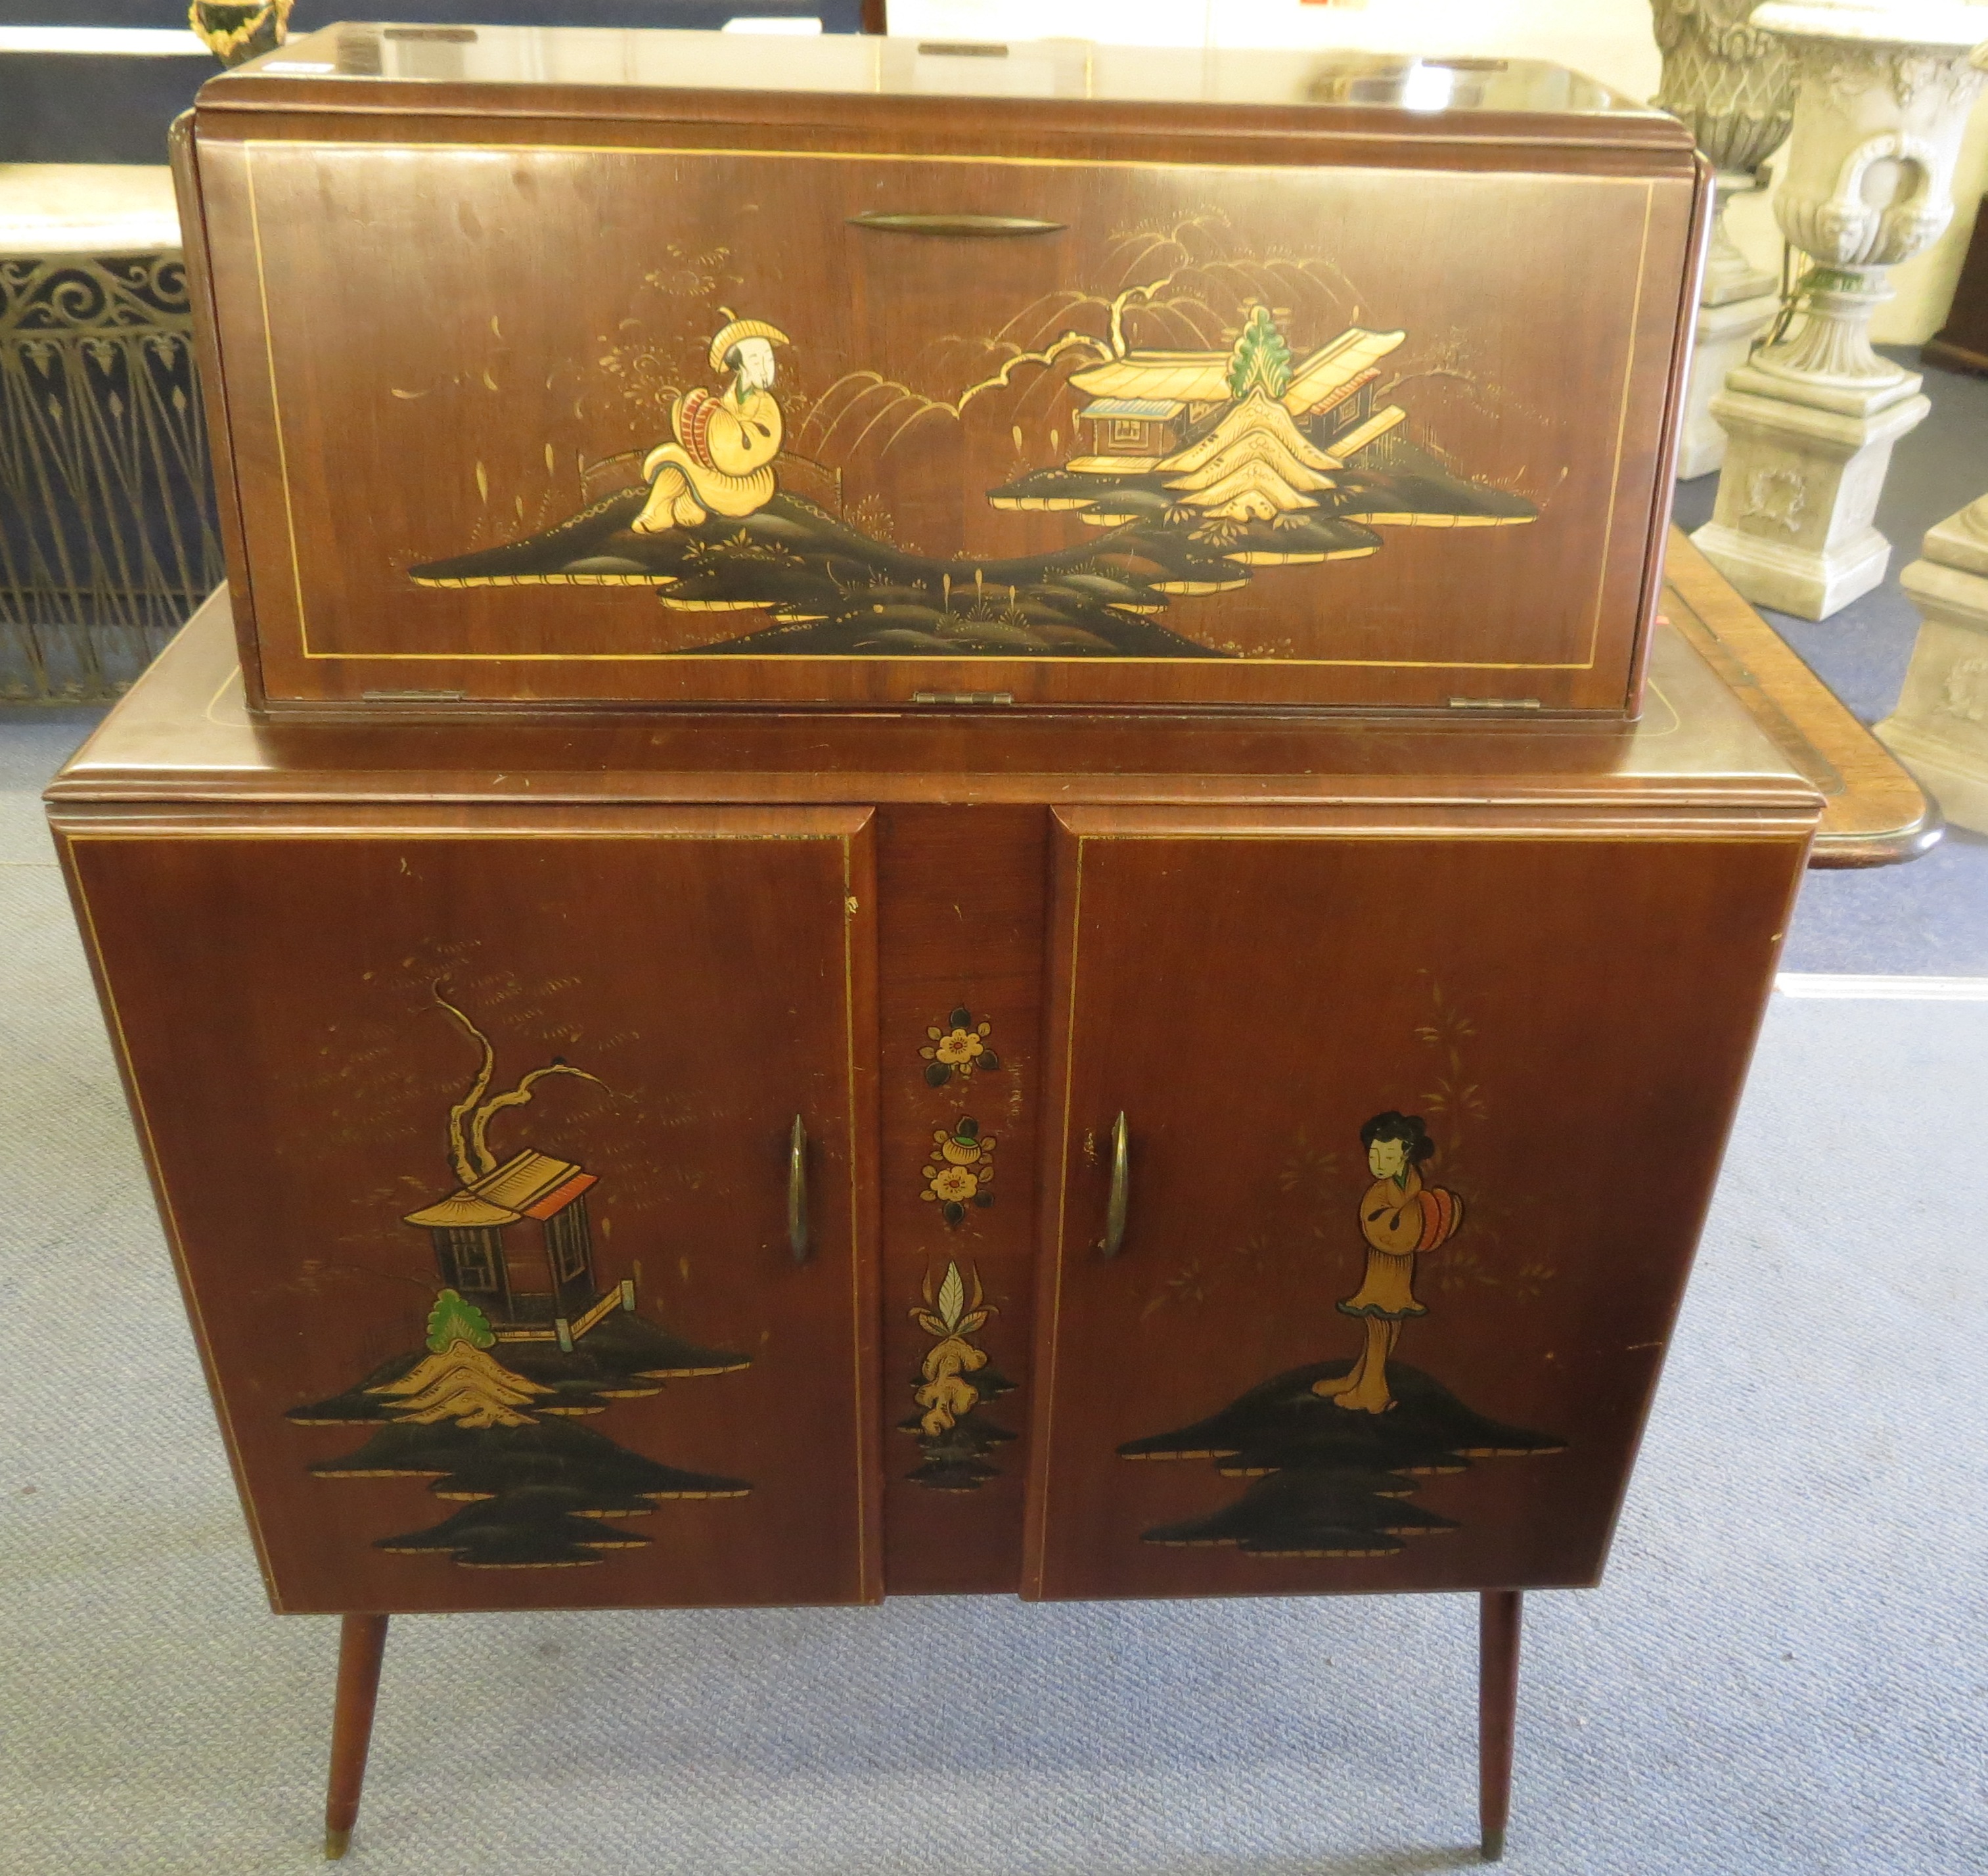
x: 1261, y: 360
x: 469, y: 1119
x: 461, y: 1380
x: 493, y: 1434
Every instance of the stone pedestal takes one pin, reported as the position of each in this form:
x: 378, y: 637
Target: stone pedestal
x: 1727, y: 331
x: 1940, y: 731
x: 1803, y: 473
x: 1738, y: 304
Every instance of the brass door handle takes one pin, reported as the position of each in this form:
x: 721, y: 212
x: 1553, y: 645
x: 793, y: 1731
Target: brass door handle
x: 972, y: 224
x: 1121, y: 1183
x: 797, y: 1204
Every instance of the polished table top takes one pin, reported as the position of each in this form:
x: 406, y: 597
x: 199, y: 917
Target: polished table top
x: 841, y: 65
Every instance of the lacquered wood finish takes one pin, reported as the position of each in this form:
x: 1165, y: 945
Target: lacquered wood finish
x: 1501, y: 1616
x: 362, y: 1644
x: 1570, y: 1003
x: 961, y: 910
x: 1534, y: 240
x: 275, y: 986
x: 1874, y: 813
x: 183, y: 734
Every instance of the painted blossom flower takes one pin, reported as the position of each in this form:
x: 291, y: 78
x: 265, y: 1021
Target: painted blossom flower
x: 958, y: 1047
x: 955, y: 1183
x: 960, y: 1169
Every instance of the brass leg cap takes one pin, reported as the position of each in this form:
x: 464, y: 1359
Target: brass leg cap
x: 336, y: 1842
x: 1492, y: 1848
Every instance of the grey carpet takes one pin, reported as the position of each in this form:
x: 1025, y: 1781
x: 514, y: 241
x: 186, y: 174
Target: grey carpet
x: 1782, y: 1674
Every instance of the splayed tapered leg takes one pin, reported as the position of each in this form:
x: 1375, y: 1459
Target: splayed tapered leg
x: 1498, y: 1618
x: 362, y: 1641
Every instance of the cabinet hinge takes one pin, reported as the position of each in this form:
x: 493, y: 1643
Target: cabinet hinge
x: 962, y: 696
x: 1494, y: 703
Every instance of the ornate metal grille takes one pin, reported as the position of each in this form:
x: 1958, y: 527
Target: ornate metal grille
x: 108, y: 530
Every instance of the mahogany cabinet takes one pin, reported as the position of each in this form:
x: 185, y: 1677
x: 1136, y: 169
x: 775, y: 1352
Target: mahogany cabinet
x: 652, y: 1162
x: 878, y: 371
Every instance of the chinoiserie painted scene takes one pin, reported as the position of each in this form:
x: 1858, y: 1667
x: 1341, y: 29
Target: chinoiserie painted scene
x: 1334, y: 1449
x: 525, y: 1337
x: 1191, y: 469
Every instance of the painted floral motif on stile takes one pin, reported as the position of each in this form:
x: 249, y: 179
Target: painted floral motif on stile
x: 958, y: 1049
x: 953, y: 1434
x: 960, y: 1169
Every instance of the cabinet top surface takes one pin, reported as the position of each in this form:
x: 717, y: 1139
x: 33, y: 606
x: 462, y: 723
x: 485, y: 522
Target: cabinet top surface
x: 183, y: 735
x: 400, y: 68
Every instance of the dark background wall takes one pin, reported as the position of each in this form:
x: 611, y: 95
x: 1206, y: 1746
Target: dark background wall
x: 91, y: 108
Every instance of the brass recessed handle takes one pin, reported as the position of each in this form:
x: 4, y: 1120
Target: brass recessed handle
x: 972, y: 224
x: 797, y: 1204
x: 1121, y: 1185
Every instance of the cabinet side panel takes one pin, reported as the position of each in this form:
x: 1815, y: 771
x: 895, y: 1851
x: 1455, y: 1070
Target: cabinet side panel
x: 188, y: 190
x: 476, y: 1142
x: 1423, y: 1123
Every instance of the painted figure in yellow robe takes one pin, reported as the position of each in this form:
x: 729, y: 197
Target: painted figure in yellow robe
x: 722, y: 461
x: 1401, y: 1219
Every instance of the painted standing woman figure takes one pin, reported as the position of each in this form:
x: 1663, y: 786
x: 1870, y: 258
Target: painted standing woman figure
x: 1401, y: 1219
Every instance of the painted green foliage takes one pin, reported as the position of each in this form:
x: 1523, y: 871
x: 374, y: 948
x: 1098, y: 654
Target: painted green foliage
x: 451, y: 1319
x: 1261, y: 359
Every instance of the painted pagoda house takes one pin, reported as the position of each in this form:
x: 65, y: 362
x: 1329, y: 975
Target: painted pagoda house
x: 1147, y: 407
x: 535, y: 1284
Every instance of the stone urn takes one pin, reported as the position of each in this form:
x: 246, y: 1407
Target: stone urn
x: 1733, y: 86
x: 237, y: 30
x: 1882, y: 97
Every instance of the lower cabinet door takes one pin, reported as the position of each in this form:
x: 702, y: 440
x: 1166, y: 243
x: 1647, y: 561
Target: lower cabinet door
x: 518, y: 1169
x: 1369, y: 1289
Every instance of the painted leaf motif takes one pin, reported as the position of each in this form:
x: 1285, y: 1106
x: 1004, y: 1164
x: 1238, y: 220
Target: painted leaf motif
x: 961, y: 1019
x: 952, y: 1297
x: 937, y: 1074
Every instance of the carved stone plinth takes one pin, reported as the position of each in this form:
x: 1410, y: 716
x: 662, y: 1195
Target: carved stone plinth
x: 1726, y: 332
x: 1804, y: 469
x: 1939, y: 730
